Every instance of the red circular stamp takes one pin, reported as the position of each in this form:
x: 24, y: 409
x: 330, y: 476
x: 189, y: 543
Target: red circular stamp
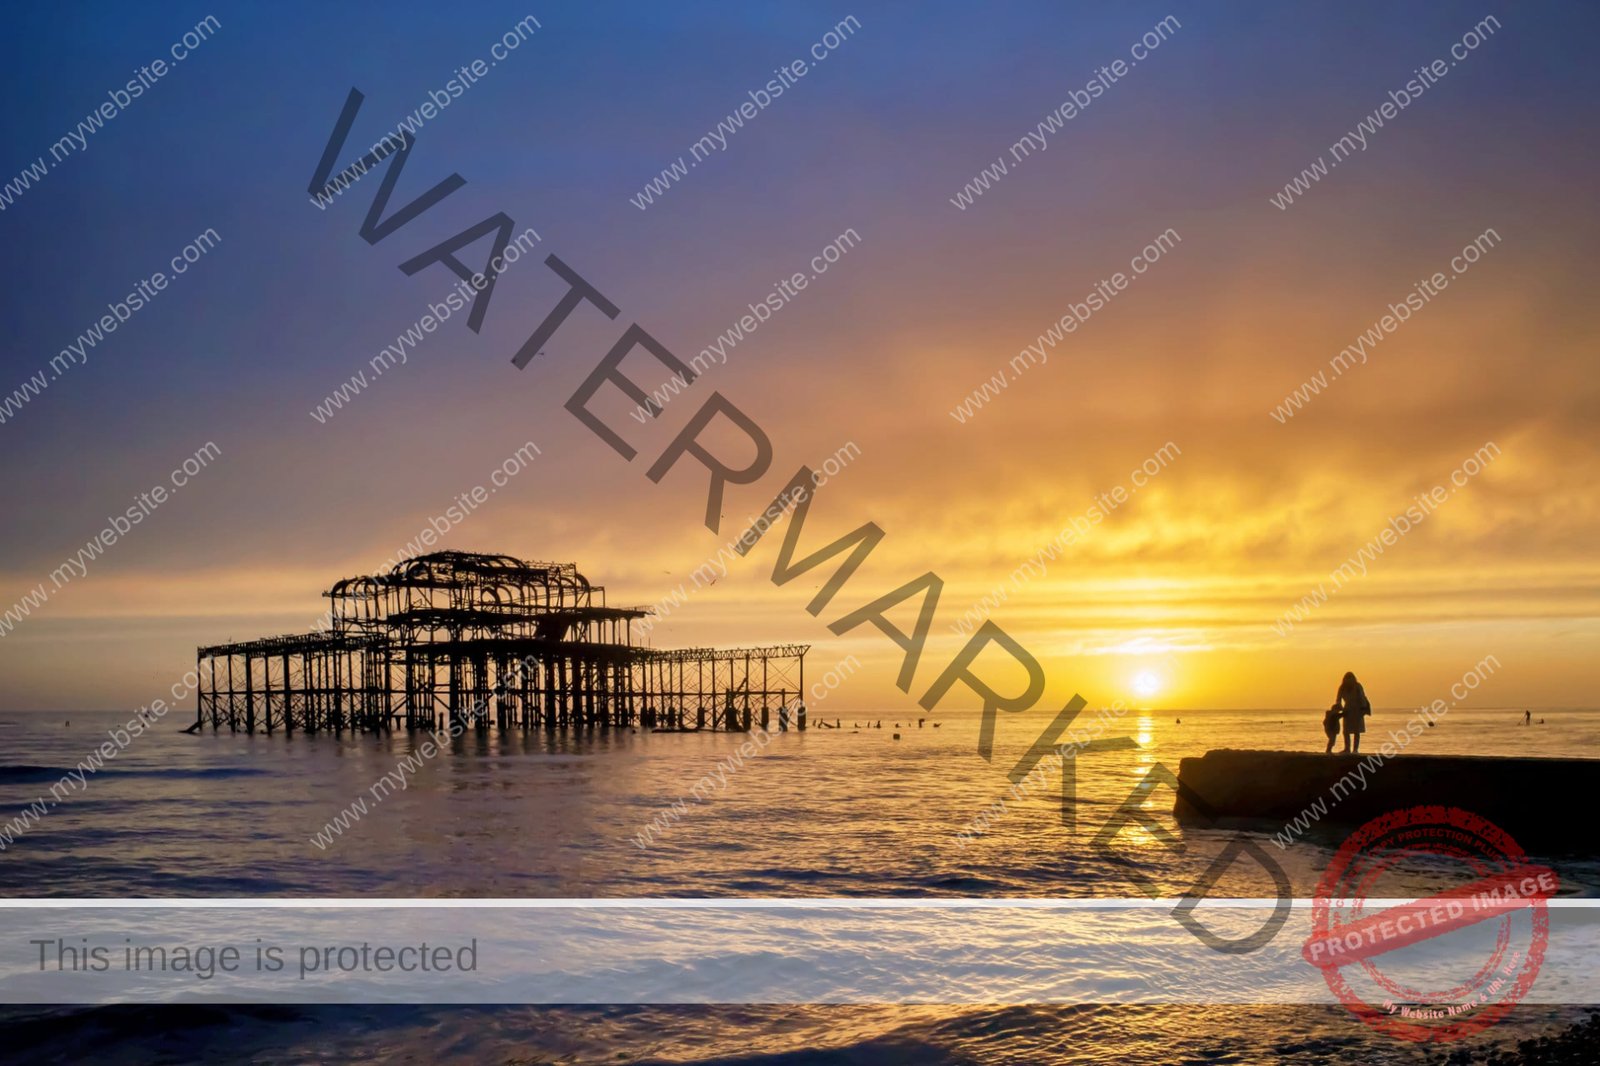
x: 1488, y: 929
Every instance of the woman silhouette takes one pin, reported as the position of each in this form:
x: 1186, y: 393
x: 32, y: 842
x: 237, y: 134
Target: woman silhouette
x: 1352, y: 700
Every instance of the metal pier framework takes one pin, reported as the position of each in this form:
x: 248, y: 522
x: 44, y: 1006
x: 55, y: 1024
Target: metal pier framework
x: 458, y: 639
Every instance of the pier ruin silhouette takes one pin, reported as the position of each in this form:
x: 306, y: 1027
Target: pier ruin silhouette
x: 472, y: 640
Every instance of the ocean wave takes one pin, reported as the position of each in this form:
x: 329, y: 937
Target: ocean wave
x: 19, y: 773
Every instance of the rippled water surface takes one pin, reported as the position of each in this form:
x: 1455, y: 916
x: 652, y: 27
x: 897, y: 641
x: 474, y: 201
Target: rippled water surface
x: 828, y: 812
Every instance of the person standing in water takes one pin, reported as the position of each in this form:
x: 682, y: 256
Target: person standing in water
x: 1352, y: 700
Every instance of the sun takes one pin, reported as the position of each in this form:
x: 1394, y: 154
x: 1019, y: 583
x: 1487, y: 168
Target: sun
x: 1146, y: 683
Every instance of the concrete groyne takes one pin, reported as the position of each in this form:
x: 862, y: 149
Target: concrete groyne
x: 1545, y: 804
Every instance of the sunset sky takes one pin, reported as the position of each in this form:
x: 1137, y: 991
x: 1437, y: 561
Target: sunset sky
x: 1183, y: 581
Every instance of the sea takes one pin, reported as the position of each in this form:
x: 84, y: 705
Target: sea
x: 891, y: 804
